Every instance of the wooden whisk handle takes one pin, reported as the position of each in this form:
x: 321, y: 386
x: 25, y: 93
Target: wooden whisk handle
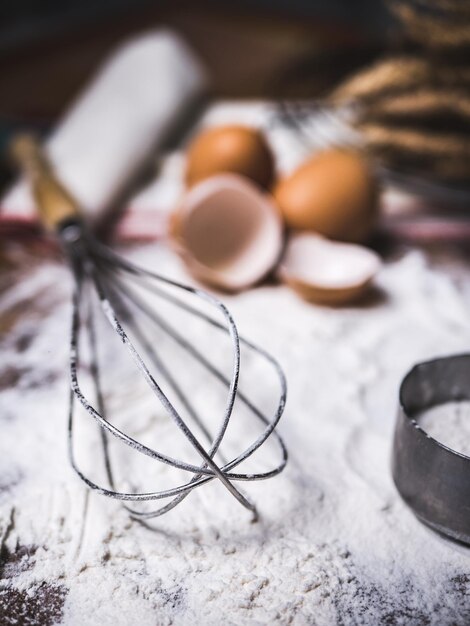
x: 55, y: 205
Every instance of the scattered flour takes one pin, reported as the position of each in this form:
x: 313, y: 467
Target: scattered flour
x: 449, y: 424
x: 334, y: 544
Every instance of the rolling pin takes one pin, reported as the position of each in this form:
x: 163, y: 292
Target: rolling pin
x: 139, y: 100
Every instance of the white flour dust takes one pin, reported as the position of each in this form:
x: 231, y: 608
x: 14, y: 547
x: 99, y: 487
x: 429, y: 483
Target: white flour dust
x: 334, y: 545
x: 449, y: 424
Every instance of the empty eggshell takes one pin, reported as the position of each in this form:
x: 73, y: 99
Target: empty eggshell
x: 232, y: 149
x: 229, y: 234
x: 334, y: 194
x: 325, y: 271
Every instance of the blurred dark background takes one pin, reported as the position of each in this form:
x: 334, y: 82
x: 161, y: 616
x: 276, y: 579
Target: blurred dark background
x: 253, y: 48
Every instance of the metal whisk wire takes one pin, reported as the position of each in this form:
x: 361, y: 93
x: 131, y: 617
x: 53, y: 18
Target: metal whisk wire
x: 97, y: 266
x: 100, y: 276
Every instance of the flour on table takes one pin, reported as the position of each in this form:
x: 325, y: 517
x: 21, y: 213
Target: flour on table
x: 334, y: 543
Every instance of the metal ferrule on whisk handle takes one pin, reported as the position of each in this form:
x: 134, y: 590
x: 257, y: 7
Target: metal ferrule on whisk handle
x: 55, y: 205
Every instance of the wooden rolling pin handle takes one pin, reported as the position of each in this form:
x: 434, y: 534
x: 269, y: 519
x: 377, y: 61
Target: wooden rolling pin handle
x: 55, y: 205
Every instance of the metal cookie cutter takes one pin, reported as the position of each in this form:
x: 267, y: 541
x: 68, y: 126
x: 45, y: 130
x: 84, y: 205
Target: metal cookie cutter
x: 433, y: 479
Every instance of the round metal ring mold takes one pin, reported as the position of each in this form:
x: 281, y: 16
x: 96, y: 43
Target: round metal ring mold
x: 433, y: 479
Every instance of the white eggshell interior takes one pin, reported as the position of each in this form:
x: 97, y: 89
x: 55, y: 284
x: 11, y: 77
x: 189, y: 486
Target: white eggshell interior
x: 230, y: 230
x: 319, y: 262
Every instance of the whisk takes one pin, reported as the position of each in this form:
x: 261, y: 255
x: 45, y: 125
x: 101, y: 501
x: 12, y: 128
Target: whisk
x: 101, y: 273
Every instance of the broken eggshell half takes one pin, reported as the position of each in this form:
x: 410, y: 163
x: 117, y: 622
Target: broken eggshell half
x: 325, y: 271
x: 228, y: 232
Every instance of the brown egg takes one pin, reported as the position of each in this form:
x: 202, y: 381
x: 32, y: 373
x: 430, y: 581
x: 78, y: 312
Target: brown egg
x: 334, y: 194
x: 235, y: 149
